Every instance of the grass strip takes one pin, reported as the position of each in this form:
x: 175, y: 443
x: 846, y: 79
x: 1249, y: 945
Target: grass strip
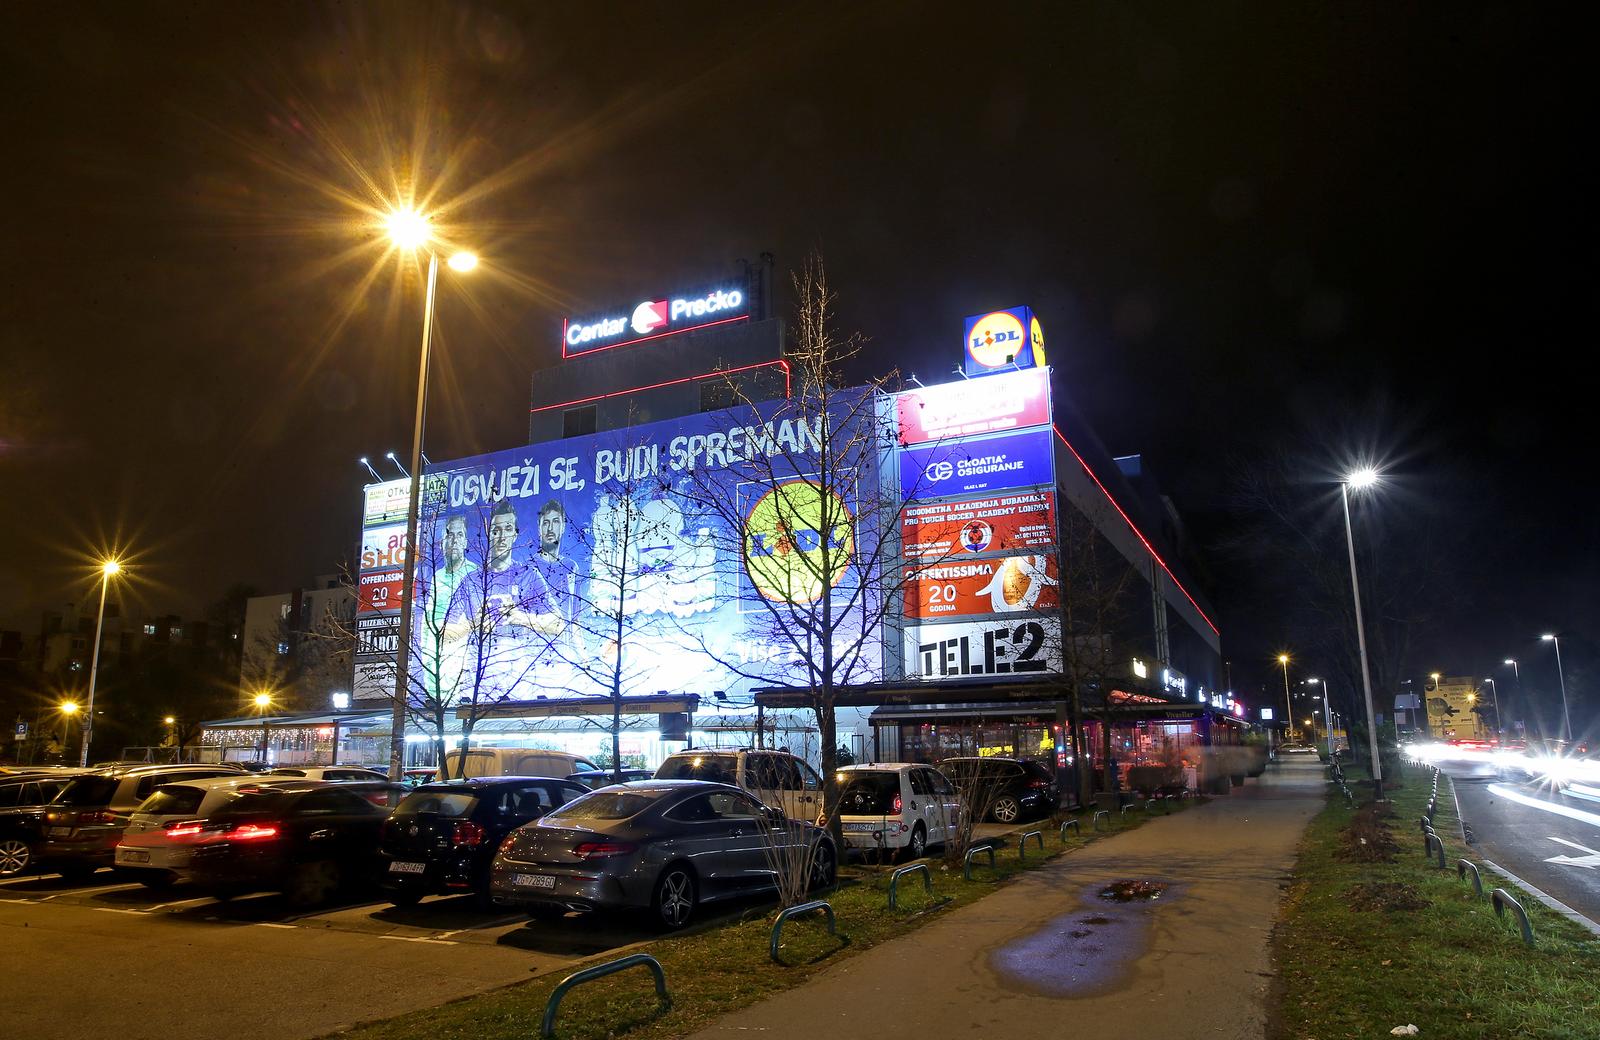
x: 726, y: 967
x: 1364, y: 947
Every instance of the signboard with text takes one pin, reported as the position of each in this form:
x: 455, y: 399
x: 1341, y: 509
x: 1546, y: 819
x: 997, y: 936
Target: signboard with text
x: 1025, y: 646
x: 970, y: 467
x: 941, y: 530
x: 654, y: 318
x: 986, y: 587
x: 972, y: 407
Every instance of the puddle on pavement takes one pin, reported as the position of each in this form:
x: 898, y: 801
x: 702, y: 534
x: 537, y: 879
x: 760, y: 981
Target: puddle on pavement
x: 1090, y: 950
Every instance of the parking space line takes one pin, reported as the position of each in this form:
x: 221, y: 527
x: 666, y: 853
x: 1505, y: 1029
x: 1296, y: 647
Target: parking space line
x: 182, y: 902
x: 419, y: 939
x: 496, y: 923
x: 270, y: 924
x: 116, y: 910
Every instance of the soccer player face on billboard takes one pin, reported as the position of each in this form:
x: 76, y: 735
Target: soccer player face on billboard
x: 552, y: 525
x: 455, y: 541
x: 502, y: 536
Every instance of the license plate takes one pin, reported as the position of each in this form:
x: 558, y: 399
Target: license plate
x: 533, y: 880
x: 133, y: 856
x: 407, y: 868
x: 859, y: 826
x: 59, y: 832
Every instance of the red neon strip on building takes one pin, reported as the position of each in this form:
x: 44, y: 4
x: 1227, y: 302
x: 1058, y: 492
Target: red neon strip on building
x: 641, y: 339
x: 1135, y: 529
x: 674, y: 382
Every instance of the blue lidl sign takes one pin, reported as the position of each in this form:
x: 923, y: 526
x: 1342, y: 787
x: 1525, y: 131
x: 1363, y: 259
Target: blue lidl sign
x: 1002, y: 340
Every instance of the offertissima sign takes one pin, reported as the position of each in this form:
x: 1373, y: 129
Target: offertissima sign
x: 654, y: 318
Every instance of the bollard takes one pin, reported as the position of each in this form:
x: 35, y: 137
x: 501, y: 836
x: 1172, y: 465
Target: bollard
x: 795, y: 911
x: 1426, y: 823
x: 1022, y: 843
x: 1462, y: 866
x: 1125, y: 809
x: 894, y: 880
x: 1106, y: 813
x: 966, y: 866
x: 1076, y: 829
x: 1154, y: 801
x: 547, y: 1028
x: 1502, y: 899
x: 1433, y: 844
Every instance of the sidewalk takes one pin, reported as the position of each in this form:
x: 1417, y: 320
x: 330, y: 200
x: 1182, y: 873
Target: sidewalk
x: 1045, y: 956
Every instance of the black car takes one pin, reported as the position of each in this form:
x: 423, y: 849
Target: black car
x: 594, y: 779
x: 23, y: 797
x: 1011, y: 788
x: 306, y: 839
x: 442, y: 837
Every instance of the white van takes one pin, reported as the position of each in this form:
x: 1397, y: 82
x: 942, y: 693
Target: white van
x: 504, y: 761
x: 777, y: 778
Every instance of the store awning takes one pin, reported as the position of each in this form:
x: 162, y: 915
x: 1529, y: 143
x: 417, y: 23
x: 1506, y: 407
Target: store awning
x: 300, y: 718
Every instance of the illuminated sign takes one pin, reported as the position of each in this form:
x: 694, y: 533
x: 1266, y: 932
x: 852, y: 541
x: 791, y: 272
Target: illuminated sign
x: 1266, y: 714
x: 387, y: 502
x: 1001, y: 523
x: 1029, y: 646
x: 789, y: 557
x: 1174, y: 682
x: 653, y: 319
x: 994, y: 464
x: 379, y: 592
x: 967, y: 588
x: 969, y: 408
x: 1002, y: 340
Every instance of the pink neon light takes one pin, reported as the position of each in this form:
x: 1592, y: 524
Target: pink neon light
x: 641, y: 339
x: 674, y: 382
x: 1135, y: 529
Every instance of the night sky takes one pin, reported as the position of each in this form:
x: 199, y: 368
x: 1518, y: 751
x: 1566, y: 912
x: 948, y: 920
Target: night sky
x: 1350, y: 226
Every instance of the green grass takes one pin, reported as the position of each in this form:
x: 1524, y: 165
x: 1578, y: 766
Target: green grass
x: 1451, y: 968
x: 726, y: 967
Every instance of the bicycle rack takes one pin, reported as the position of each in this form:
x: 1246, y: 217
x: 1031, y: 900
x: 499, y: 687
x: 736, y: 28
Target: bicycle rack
x: 966, y: 865
x: 1106, y: 814
x: 1433, y: 844
x: 1502, y: 899
x: 1022, y: 843
x: 894, y: 880
x: 1154, y: 802
x: 547, y: 1028
x: 795, y: 911
x: 1076, y: 828
x: 1462, y: 866
x: 1125, y: 809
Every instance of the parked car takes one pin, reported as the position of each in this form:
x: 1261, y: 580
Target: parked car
x: 897, y: 806
x: 1012, y: 788
x: 23, y: 797
x: 162, y: 832
x: 668, y: 846
x: 308, y: 840
x: 443, y: 836
x: 503, y: 761
x: 776, y: 778
x: 328, y: 772
x: 84, y: 822
x: 594, y: 779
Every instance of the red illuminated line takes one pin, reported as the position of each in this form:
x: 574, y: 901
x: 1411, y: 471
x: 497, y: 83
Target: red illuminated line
x: 674, y: 382
x: 1135, y: 529
x: 641, y: 339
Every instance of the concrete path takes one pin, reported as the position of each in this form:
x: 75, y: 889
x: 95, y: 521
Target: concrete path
x: 1045, y: 956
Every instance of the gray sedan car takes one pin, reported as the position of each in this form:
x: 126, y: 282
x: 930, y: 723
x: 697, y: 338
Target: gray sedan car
x: 663, y: 845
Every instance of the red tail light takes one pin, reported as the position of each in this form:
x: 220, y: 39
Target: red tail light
x: 1040, y: 785
x: 894, y: 810
x: 602, y: 849
x: 467, y: 833
x: 182, y: 828
x: 253, y: 831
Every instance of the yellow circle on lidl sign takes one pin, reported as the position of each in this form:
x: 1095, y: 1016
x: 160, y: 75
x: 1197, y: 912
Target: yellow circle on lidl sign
x: 798, y: 540
x: 1036, y: 338
x: 997, y: 338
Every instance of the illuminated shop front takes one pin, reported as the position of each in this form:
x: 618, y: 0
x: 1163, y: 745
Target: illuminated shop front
x: 298, y: 739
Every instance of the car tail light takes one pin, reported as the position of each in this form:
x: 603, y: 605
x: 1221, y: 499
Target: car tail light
x: 182, y: 828
x: 894, y: 810
x: 602, y: 849
x: 467, y: 833
x: 1040, y: 785
x: 254, y: 831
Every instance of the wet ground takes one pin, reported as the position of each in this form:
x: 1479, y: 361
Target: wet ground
x: 1090, y: 950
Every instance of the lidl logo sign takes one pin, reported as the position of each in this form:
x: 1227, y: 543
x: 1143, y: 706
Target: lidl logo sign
x: 798, y: 541
x: 1001, y: 340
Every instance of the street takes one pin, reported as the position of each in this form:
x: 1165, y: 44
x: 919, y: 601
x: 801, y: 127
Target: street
x: 1549, y: 839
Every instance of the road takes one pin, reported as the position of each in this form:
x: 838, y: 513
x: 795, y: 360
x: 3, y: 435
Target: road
x: 107, y: 958
x: 1549, y: 839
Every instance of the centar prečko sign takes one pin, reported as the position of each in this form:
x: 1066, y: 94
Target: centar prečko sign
x: 653, y: 319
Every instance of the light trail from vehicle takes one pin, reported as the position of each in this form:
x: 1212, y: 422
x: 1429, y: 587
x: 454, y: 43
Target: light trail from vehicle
x: 1568, y: 811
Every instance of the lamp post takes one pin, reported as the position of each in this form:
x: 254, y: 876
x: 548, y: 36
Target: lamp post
x: 1327, y: 712
x: 1566, y: 716
x: 411, y: 230
x: 263, y: 701
x: 1494, y: 690
x: 1516, y: 674
x: 69, y: 711
x: 1363, y: 478
x: 107, y: 570
x: 1283, y: 660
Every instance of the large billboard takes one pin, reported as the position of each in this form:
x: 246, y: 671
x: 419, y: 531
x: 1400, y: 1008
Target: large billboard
x: 963, y: 466
x: 982, y: 588
x: 970, y: 407
x: 658, y: 552
x: 996, y: 647
x: 941, y: 530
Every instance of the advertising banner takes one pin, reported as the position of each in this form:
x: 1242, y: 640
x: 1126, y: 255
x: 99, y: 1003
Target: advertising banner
x: 685, y: 530
x: 1016, y: 460
x: 1002, y: 341
x: 383, y: 547
x: 976, y: 588
x: 1023, y: 646
x: 946, y: 530
x: 972, y: 407
x: 386, y: 503
x: 379, y: 591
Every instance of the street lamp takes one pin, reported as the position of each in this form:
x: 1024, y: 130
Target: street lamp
x: 1288, y: 709
x: 1566, y: 716
x: 1327, y: 711
x: 108, y: 570
x: 410, y: 230
x: 1516, y: 674
x: 1494, y: 689
x: 263, y: 701
x: 1362, y: 478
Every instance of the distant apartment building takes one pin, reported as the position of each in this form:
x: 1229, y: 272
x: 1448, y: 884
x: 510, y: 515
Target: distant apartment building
x: 297, y: 645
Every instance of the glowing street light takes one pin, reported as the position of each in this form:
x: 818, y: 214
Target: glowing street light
x: 1566, y: 716
x: 1288, y: 709
x: 108, y: 570
x: 263, y: 701
x: 1362, y: 478
x: 410, y: 230
x: 1327, y: 711
x: 68, y: 708
x: 1494, y: 688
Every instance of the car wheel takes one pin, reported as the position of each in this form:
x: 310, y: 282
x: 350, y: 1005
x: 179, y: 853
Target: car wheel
x: 312, y: 884
x: 918, y: 846
x: 1006, y: 809
x: 674, y: 901
x: 15, y: 857
x: 822, y: 865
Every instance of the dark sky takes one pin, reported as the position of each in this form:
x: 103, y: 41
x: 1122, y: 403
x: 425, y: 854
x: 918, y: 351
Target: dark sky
x: 1239, y: 223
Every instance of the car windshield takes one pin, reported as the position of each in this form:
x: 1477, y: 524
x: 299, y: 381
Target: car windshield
x: 603, y: 805
x: 723, y: 769
x: 445, y: 803
x: 1036, y: 771
x: 253, y: 802
x: 868, y: 794
x: 172, y: 801
x: 88, y: 790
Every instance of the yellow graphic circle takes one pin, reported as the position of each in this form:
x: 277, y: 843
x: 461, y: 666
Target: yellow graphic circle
x: 996, y: 338
x: 1036, y: 336
x: 787, y: 555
